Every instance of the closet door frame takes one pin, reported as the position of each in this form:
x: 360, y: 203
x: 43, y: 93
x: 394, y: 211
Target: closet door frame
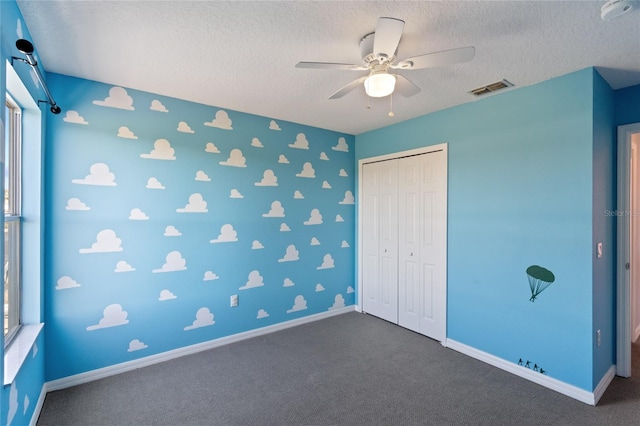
x: 423, y: 150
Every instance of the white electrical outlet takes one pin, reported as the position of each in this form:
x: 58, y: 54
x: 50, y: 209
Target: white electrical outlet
x: 234, y: 300
x: 598, y: 338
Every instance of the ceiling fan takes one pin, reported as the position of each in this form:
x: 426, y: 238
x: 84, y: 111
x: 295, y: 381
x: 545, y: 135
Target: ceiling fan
x: 378, y: 51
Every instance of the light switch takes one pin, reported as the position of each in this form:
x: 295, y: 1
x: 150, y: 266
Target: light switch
x: 599, y: 250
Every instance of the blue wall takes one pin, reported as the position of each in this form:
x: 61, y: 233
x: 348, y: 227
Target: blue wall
x: 19, y: 399
x: 161, y: 209
x: 627, y: 105
x: 520, y: 194
x: 527, y: 171
x: 604, y: 227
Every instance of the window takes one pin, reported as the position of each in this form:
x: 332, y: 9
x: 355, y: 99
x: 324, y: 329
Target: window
x: 12, y: 218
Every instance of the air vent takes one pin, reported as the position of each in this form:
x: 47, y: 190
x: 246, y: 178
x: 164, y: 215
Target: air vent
x: 490, y: 88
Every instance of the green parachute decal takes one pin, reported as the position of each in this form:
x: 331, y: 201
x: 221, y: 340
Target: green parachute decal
x: 539, y: 279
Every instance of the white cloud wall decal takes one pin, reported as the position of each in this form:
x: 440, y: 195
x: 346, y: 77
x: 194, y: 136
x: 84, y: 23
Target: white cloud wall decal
x: 315, y: 218
x: 284, y: 227
x: 227, y: 235
x: 254, y: 280
x: 66, y: 282
x: 153, y: 183
x: 212, y: 148
x: 327, y: 262
x: 118, y: 98
x: 235, y: 194
x: 348, y: 198
x: 99, y: 175
x: 173, y: 262
x: 137, y: 214
x: 210, y: 276
x: 196, y: 204
x: 282, y: 159
x: 112, y: 316
x: 136, y: 345
x: 156, y: 105
x: 204, y: 318
x: 301, y: 142
x: 166, y: 295
x: 74, y: 117
x: 341, y: 146
x: 13, y: 402
x: 299, y: 304
x: 106, y: 241
x: 291, y: 254
x: 161, y: 151
x: 236, y: 159
x: 221, y: 121
x: 273, y: 125
x: 268, y: 179
x: 276, y: 210
x: 184, y: 127
x: 171, y: 231
x: 202, y: 176
x: 123, y: 266
x: 125, y: 132
x: 76, y: 204
x: 307, y: 171
x: 338, y: 302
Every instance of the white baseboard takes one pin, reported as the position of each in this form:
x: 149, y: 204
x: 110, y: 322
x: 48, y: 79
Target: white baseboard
x: 604, y: 384
x: 38, y: 408
x: 574, y: 392
x: 112, y: 370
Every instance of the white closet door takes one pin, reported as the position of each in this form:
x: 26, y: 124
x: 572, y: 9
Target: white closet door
x: 409, y: 242
x: 433, y: 245
x: 380, y: 239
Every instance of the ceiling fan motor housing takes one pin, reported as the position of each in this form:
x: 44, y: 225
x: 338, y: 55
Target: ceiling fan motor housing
x: 366, y: 51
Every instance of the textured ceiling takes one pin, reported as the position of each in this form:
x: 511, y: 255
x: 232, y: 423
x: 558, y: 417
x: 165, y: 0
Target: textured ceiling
x: 241, y: 55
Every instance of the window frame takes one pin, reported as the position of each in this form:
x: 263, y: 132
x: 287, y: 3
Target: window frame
x: 13, y: 220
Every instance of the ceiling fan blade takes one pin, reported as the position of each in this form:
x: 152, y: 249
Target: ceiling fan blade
x: 437, y: 59
x: 348, y: 88
x: 405, y: 87
x: 330, y: 66
x: 387, y: 36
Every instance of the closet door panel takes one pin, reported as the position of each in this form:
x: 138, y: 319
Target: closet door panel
x: 388, y: 229
x: 370, y: 239
x: 380, y: 239
x: 409, y: 243
x: 433, y: 247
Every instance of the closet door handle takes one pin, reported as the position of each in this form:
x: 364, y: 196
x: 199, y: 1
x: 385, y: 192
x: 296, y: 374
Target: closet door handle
x: 411, y: 254
x: 385, y: 250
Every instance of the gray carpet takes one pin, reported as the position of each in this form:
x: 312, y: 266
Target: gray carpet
x: 351, y: 369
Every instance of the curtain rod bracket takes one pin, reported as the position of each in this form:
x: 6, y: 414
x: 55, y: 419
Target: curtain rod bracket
x: 25, y: 47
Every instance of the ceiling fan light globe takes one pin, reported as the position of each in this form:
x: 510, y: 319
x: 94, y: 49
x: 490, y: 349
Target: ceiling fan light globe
x: 380, y: 85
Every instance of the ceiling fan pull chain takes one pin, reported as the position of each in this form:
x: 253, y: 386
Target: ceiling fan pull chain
x: 391, y: 114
